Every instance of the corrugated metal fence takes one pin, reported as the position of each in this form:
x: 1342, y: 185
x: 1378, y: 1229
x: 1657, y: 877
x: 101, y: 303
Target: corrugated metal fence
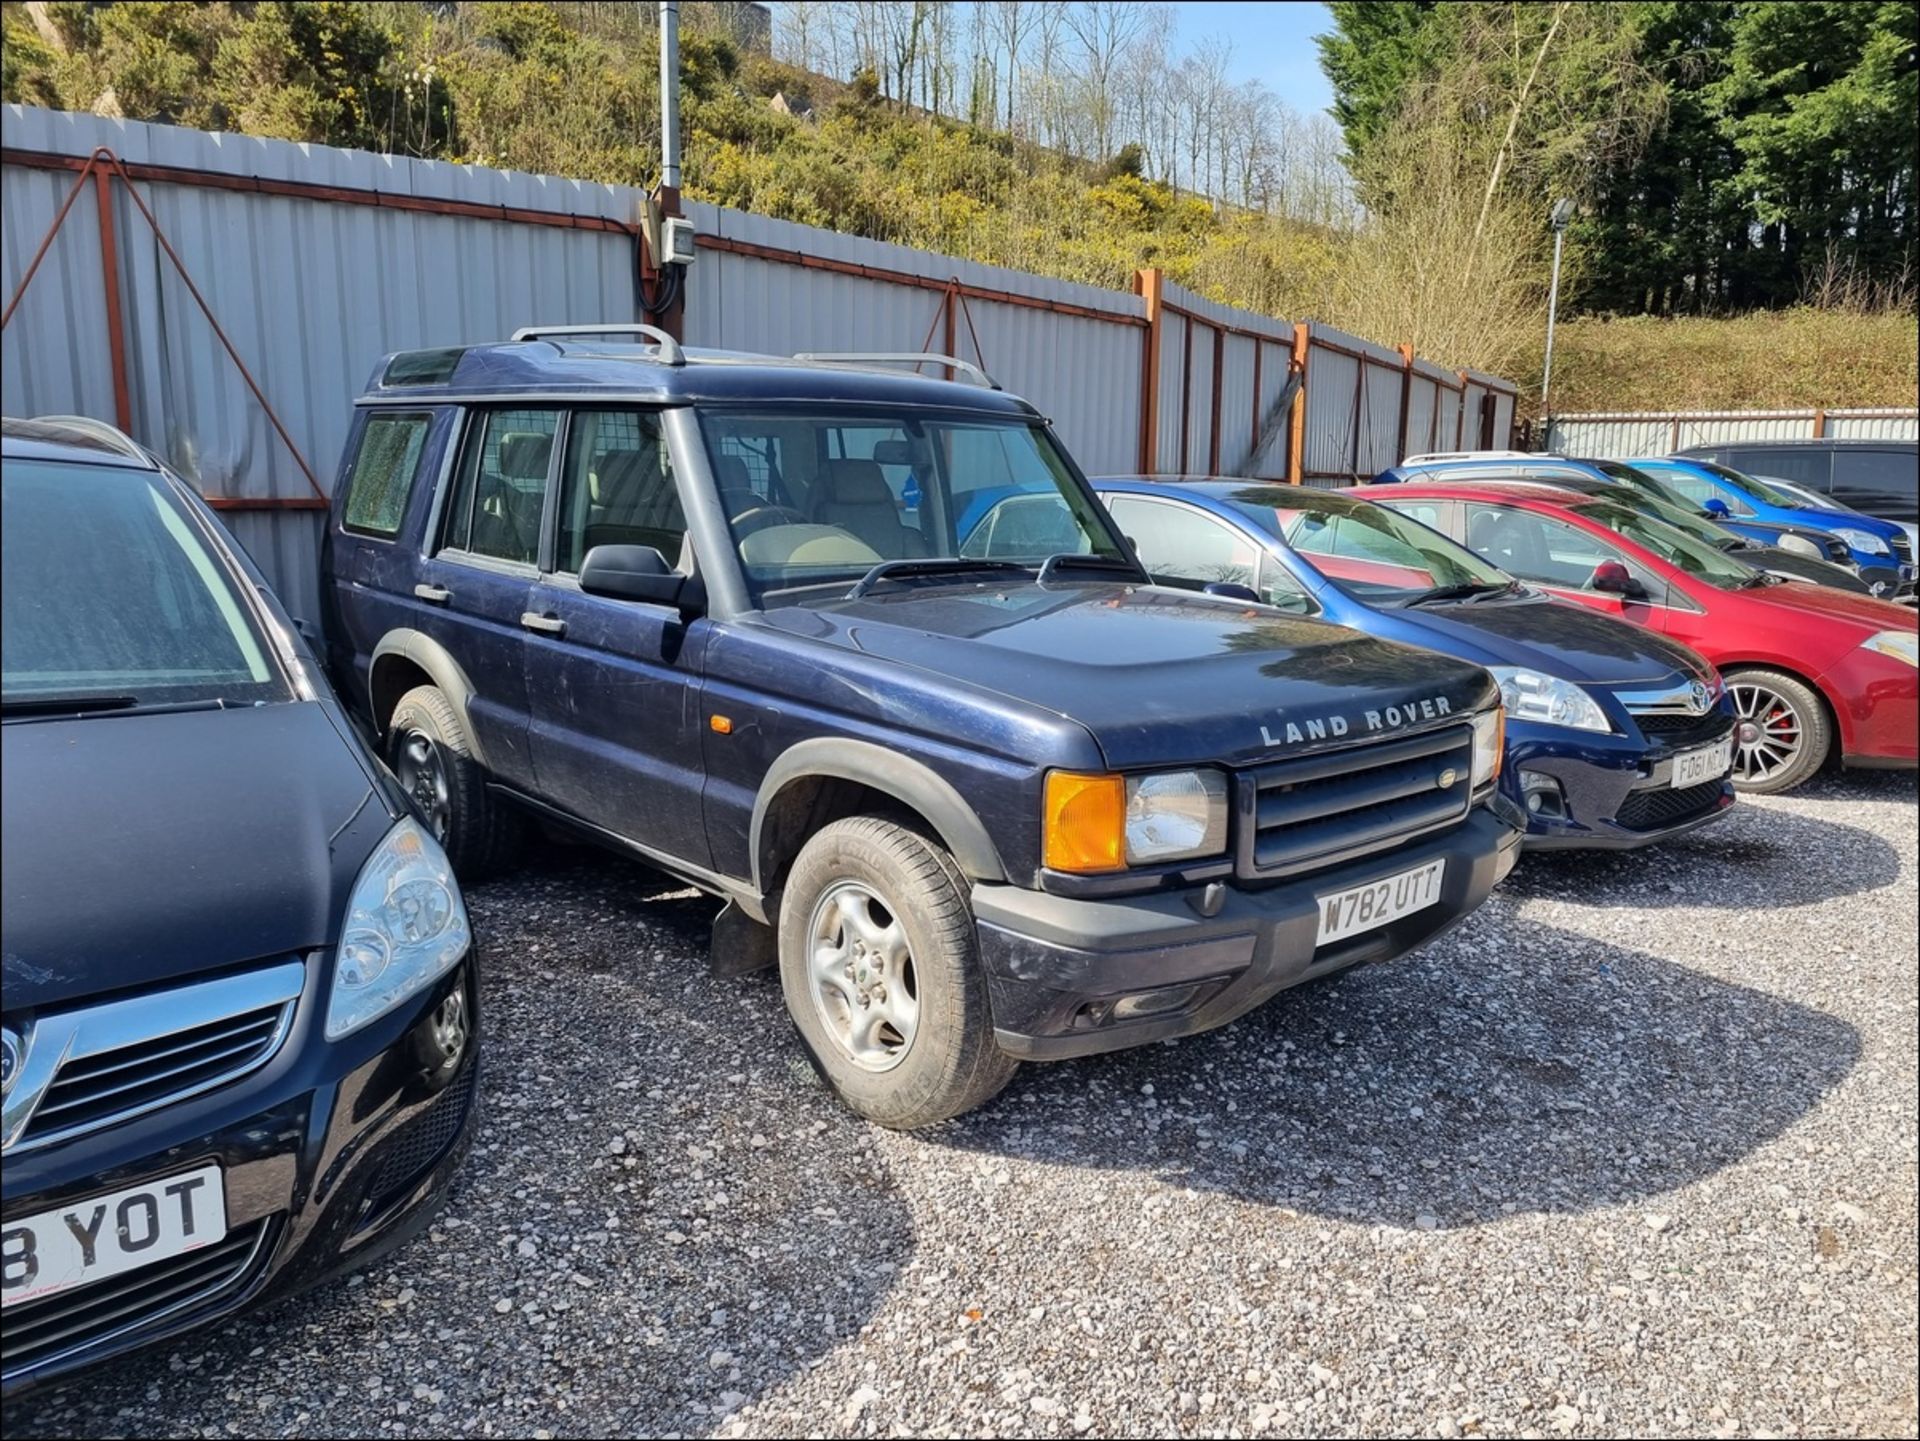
x: 1622, y: 435
x: 316, y: 261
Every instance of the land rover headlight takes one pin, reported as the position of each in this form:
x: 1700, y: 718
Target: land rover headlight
x: 405, y: 928
x: 1489, y: 741
x: 1097, y: 823
x: 1900, y: 644
x: 1799, y: 545
x: 1532, y: 695
x: 1864, y: 541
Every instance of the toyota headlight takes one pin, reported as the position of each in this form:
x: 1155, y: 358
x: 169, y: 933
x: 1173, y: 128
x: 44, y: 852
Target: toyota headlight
x: 1864, y: 541
x: 1799, y: 545
x: 1096, y: 823
x: 1900, y: 644
x: 1489, y: 741
x: 1532, y: 695
x: 406, y: 927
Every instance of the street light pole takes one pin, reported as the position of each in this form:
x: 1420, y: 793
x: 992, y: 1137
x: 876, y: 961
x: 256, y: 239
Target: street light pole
x: 1562, y: 213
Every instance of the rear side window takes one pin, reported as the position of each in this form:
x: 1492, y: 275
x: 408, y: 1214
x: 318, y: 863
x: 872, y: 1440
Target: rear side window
x: 1801, y: 464
x: 1880, y: 482
x: 502, y: 488
x: 383, y: 472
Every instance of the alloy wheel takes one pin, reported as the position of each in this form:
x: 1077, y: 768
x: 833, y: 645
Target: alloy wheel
x: 1768, y: 734
x: 862, y: 972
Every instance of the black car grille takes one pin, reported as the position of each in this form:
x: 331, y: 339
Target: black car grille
x: 98, y: 1089
x: 1902, y: 548
x: 1666, y: 728
x: 1324, y: 810
x: 1653, y: 809
x: 421, y: 1142
x: 41, y: 1331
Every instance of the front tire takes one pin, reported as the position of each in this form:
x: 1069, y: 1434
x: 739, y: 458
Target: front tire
x: 430, y: 752
x: 1782, y: 734
x: 882, y: 977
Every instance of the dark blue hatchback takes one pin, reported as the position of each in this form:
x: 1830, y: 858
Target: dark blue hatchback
x: 1615, y: 737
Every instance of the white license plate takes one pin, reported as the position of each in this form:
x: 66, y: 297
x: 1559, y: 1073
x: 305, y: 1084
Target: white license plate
x: 1709, y: 763
x: 1365, y: 908
x: 93, y: 1239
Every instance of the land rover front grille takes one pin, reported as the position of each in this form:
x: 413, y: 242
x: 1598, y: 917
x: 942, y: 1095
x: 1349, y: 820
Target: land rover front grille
x: 1324, y: 810
x: 97, y: 1065
x: 38, y: 1332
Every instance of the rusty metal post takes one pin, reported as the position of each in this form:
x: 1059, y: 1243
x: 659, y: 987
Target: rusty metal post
x: 1259, y: 352
x: 1186, y: 394
x: 1148, y: 285
x: 110, y: 275
x: 1297, y: 420
x: 1820, y: 423
x: 1406, y: 399
x: 1219, y: 371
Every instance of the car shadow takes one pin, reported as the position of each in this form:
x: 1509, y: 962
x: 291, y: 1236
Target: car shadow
x: 663, y: 1216
x: 1760, y: 855
x: 1508, y: 1067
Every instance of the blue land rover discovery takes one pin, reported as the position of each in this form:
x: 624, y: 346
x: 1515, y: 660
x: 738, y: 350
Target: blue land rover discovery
x: 979, y: 789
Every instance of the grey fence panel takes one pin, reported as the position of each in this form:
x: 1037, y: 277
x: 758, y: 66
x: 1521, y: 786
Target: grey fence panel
x: 1274, y: 361
x: 1380, y: 419
x: 1624, y: 434
x: 1237, y: 403
x: 1168, y: 459
x: 57, y: 360
x: 1423, y: 398
x: 1333, y: 405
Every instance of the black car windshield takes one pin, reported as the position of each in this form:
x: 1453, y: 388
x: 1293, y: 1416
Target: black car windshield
x: 114, y: 599
x: 1697, y: 557
x: 1372, y: 552
x: 819, y: 498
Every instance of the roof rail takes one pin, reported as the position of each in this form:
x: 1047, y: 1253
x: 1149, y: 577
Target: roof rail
x: 111, y: 436
x: 1433, y: 456
x: 670, y: 351
x: 914, y: 358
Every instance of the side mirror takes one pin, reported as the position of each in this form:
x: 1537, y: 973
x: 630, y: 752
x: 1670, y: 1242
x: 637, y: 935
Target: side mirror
x: 1230, y: 590
x: 1613, y: 578
x: 1717, y: 508
x: 637, y: 572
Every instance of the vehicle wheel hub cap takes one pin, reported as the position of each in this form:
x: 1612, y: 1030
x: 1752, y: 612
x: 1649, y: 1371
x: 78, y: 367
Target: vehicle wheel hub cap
x: 863, y: 982
x: 420, y: 769
x: 1769, y: 736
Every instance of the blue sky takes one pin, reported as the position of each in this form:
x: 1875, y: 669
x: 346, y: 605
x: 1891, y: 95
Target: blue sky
x: 1272, y: 42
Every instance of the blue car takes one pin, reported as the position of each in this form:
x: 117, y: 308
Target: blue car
x: 1878, y: 548
x: 1616, y: 737
x: 1807, y: 542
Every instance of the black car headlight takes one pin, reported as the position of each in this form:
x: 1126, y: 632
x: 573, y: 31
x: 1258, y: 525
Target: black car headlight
x: 406, y: 927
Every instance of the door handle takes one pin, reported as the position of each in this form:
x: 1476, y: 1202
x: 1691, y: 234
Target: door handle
x: 547, y: 624
x: 433, y: 594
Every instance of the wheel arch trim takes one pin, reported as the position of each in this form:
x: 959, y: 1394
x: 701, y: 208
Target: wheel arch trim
x: 445, y: 672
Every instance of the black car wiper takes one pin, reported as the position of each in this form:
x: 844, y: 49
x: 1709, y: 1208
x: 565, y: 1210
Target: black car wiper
x: 1070, y: 560
x: 65, y: 704
x: 939, y: 565
x: 1462, y: 591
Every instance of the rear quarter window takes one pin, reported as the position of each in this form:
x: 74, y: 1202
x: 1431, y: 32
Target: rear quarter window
x: 383, y: 473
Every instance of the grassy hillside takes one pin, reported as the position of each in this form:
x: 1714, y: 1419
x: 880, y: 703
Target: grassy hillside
x: 1765, y: 361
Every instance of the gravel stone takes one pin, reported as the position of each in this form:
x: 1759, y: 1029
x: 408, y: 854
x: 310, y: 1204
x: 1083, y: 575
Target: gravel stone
x: 1414, y: 1199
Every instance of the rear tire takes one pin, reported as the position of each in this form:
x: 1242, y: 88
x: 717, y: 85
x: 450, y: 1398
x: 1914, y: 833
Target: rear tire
x: 1782, y: 735
x: 431, y: 753
x: 882, y: 976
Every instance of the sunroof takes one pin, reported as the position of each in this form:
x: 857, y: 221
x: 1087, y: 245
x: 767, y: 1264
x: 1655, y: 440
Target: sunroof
x: 422, y: 367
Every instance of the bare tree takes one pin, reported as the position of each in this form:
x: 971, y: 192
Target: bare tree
x: 1012, y: 22
x: 1104, y: 30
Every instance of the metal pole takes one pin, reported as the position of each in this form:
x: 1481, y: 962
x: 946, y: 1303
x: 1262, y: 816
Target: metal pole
x: 1553, y: 304
x: 670, y: 95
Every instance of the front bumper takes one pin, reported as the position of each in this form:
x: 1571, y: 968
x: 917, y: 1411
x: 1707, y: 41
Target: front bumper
x: 1612, y: 792
x: 1055, y: 965
x: 1877, y: 702
x: 331, y: 1154
x: 1887, y: 579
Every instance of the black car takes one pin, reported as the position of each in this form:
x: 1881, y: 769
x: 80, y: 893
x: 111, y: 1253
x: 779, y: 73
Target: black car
x: 861, y: 652
x: 240, y: 1009
x: 1874, y: 477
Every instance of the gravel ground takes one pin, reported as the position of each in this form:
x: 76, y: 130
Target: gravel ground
x: 1632, y: 1151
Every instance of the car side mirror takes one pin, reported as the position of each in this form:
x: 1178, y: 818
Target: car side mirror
x: 1614, y: 579
x: 1717, y: 508
x: 1229, y: 590
x: 638, y: 572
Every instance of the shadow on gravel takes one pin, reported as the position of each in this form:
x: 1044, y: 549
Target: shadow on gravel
x: 1759, y: 856
x: 663, y: 1258
x: 1508, y: 1067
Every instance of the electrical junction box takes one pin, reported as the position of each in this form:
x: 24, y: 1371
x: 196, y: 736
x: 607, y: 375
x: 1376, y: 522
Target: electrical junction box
x: 676, y: 241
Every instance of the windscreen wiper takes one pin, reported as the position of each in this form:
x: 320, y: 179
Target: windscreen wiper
x: 1106, y: 564
x: 938, y: 565
x: 1462, y: 591
x: 65, y: 704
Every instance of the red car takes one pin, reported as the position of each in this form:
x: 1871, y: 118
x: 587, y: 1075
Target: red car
x: 1816, y: 673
